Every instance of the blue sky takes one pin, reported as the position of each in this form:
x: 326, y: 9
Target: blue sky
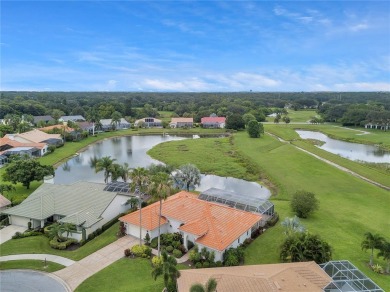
x: 195, y: 45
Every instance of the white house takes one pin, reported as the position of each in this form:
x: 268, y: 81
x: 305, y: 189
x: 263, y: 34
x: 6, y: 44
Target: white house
x: 208, y: 224
x: 148, y: 123
x: 85, y: 204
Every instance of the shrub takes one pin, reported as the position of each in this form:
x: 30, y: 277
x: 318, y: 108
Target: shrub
x: 141, y: 251
x: 177, y: 253
x: 233, y: 256
x: 218, y: 264
x: 303, y: 203
x: 206, y: 265
x: 56, y: 243
x: 182, y: 248
x: 29, y: 225
x: 82, y: 242
x: 272, y: 221
x: 17, y: 235
x: 144, y: 255
x: 91, y: 236
x: 122, y: 229
x: 127, y: 252
x: 147, y: 238
x: 194, y: 256
x: 176, y: 244
x: 198, y: 265
x: 154, y: 242
x: 157, y: 261
x: 169, y: 249
x: 377, y: 269
x: 247, y: 242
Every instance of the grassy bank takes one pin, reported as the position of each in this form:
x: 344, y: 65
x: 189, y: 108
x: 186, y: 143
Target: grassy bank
x: 348, y: 206
x: 31, y: 265
x: 40, y: 244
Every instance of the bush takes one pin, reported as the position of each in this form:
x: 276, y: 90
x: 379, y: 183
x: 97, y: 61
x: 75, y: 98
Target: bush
x: 56, y: 243
x: 206, y: 265
x: 177, y: 253
x: 194, y: 256
x: 91, y: 236
x: 303, y: 203
x: 377, y: 269
x: 127, y: 252
x: 141, y: 251
x: 218, y: 264
x: 169, y: 249
x: 182, y: 248
x: 198, y: 265
x: 154, y: 243
x: 176, y: 244
x: 157, y: 261
x: 18, y: 235
x: 247, y: 242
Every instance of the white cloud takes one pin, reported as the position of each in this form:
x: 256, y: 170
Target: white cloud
x: 363, y: 86
x: 359, y: 27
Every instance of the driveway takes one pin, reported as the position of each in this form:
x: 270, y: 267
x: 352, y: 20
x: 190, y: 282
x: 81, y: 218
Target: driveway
x: 75, y: 274
x: 31, y: 281
x: 7, y: 232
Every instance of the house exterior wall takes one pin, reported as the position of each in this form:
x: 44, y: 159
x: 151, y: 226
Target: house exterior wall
x: 184, y: 124
x: 213, y: 125
x: 173, y: 225
x: 133, y: 230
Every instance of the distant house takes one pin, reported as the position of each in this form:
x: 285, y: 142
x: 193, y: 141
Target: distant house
x: 108, y: 125
x: 77, y: 118
x: 208, y: 224
x: 213, y: 122
x: 36, y: 136
x: 181, y: 122
x: 4, y: 203
x: 87, y: 126
x: 61, y: 128
x: 45, y: 119
x: 148, y: 123
x: 376, y: 126
x: 85, y: 204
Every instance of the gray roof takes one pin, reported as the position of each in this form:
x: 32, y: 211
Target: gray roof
x: 72, y: 118
x: 42, y: 118
x: 81, y: 202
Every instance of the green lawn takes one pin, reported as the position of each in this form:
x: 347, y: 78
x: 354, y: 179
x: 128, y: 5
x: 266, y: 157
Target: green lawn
x: 125, y: 275
x: 40, y: 244
x: 348, y: 206
x: 31, y: 265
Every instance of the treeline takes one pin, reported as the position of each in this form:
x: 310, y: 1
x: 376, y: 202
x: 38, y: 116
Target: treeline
x: 347, y: 107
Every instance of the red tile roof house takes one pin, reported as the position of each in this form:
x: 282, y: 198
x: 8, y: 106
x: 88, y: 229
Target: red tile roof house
x: 206, y: 224
x: 181, y: 122
x: 213, y: 122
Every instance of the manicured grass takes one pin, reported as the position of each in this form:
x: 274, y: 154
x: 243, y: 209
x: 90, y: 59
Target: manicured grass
x: 40, y: 244
x: 380, y: 175
x: 301, y: 116
x: 124, y: 275
x: 349, y: 207
x: 31, y: 265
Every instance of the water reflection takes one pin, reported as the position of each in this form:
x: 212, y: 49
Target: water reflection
x: 352, y: 151
x: 132, y: 150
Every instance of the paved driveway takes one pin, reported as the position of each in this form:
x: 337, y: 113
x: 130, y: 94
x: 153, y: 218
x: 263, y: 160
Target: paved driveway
x: 31, y: 281
x: 75, y: 274
x: 7, y: 232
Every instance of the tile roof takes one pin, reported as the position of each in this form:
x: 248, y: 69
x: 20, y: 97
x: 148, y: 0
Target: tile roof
x: 182, y: 120
x: 79, y: 202
x: 14, y: 144
x: 213, y: 120
x: 64, y: 127
x: 35, y: 136
x: 302, y: 276
x: 218, y: 226
x: 4, y: 202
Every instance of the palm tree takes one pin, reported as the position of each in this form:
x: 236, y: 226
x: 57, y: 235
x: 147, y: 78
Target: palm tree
x: 210, y: 286
x: 160, y: 189
x: 292, y: 225
x: 187, y: 176
x: 116, y: 119
x: 125, y: 171
x: 384, y: 252
x: 167, y: 269
x: 372, y: 241
x: 105, y: 164
x: 116, y: 171
x: 69, y: 228
x: 140, y: 182
x: 94, y: 118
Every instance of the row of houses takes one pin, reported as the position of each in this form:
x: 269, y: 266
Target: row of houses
x: 212, y: 121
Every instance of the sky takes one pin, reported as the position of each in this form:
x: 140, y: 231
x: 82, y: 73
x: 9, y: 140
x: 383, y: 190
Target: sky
x: 197, y: 46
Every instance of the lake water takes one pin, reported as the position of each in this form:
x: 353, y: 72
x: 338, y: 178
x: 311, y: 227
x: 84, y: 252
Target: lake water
x: 352, y: 151
x: 132, y: 149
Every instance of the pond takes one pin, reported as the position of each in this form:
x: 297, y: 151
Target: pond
x: 351, y: 151
x: 132, y: 149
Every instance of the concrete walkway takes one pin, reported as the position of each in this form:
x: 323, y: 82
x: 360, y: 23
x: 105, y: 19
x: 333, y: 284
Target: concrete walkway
x: 7, y: 232
x: 49, y: 257
x: 78, y: 272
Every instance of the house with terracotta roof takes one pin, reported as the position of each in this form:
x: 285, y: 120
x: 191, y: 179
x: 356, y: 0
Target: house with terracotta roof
x: 213, y: 122
x: 9, y: 146
x: 207, y: 224
x: 36, y: 136
x: 301, y: 276
x: 181, y: 122
x: 4, y: 203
